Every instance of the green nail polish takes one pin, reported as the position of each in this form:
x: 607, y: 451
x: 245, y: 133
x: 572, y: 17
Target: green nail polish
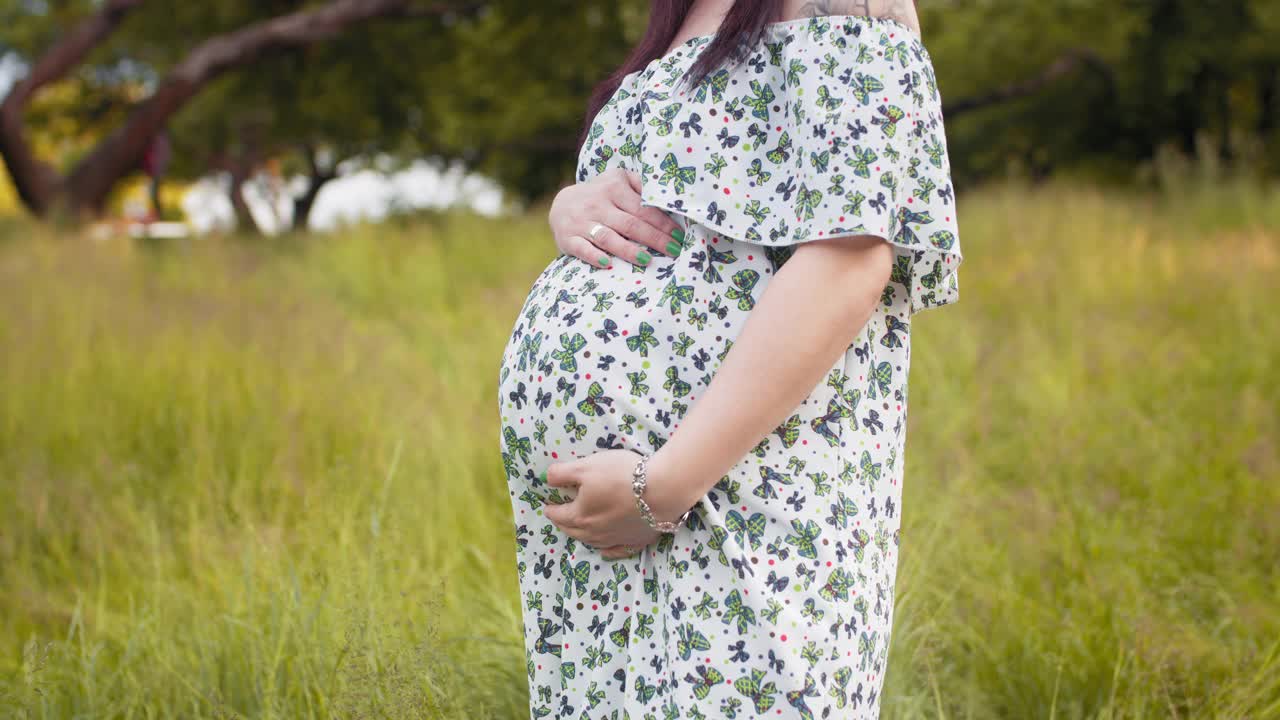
x: 543, y: 477
x: 604, y: 259
x: 673, y: 249
x: 642, y: 257
x: 678, y: 234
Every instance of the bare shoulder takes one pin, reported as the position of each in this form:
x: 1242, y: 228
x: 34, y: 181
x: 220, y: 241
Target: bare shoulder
x: 903, y: 11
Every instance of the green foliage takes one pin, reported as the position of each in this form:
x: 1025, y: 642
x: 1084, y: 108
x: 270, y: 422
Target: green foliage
x: 261, y: 480
x: 505, y: 91
x: 353, y: 97
x: 512, y: 98
x: 1169, y: 75
x: 1172, y: 72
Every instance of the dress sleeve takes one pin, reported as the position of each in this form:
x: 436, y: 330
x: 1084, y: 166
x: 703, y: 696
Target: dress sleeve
x: 839, y: 133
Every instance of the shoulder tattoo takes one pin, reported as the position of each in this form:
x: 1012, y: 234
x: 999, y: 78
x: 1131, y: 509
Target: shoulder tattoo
x: 896, y: 9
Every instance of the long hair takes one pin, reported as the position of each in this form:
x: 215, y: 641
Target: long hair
x: 741, y: 28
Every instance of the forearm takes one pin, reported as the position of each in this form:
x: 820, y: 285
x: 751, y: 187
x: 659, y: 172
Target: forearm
x: 807, y: 317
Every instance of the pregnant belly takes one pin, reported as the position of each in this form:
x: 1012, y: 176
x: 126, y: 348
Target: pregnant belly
x: 605, y: 358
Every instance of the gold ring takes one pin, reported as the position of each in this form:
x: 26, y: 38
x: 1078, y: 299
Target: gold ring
x: 595, y: 231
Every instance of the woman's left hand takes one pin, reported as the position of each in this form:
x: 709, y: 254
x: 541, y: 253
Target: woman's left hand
x: 603, y: 514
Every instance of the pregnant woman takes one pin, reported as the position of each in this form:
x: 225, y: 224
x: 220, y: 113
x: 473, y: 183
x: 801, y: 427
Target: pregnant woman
x: 703, y: 400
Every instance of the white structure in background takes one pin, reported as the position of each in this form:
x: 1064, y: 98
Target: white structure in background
x: 361, y: 195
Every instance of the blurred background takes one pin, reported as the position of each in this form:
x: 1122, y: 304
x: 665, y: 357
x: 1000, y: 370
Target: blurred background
x: 259, y: 258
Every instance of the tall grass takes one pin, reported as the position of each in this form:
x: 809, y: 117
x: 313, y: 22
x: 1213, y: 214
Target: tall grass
x: 245, y: 480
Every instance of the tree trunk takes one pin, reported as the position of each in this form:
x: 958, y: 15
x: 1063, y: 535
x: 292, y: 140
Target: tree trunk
x: 245, y: 222
x: 303, y: 205
x: 36, y: 181
x: 157, y: 209
x: 1222, y: 88
x: 316, y: 180
x: 92, y: 179
x: 1269, y: 84
x: 88, y: 184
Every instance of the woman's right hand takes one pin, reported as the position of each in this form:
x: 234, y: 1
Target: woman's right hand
x: 612, y: 198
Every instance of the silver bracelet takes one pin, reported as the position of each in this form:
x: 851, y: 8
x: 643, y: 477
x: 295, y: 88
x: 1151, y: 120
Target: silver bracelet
x: 638, y: 482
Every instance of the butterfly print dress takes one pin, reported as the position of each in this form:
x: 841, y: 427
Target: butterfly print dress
x: 776, y: 599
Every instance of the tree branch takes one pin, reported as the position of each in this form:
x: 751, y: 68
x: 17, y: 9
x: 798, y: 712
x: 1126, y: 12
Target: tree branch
x: 35, y: 180
x: 1065, y: 64
x: 438, y: 9
x: 71, y: 50
x: 94, y: 176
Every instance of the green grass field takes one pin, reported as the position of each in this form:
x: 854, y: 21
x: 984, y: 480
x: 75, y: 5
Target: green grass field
x: 262, y: 480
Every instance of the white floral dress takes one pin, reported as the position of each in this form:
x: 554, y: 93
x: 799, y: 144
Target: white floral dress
x: 777, y: 598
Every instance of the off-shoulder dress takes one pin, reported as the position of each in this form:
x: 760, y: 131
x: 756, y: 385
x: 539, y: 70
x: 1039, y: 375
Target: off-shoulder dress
x: 777, y: 598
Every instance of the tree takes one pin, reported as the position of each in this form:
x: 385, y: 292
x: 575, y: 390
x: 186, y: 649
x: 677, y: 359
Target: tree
x: 314, y: 112
x: 83, y: 188
x: 1102, y: 85
x: 511, y: 98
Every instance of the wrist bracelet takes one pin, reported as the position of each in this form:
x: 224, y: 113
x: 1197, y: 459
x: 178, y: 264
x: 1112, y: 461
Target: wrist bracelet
x: 638, y: 482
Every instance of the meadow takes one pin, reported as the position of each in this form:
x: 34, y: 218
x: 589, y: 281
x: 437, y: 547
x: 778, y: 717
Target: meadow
x: 260, y: 478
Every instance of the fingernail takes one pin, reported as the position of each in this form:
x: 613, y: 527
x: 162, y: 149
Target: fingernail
x: 673, y: 249
x: 678, y: 234
x: 543, y: 477
x: 604, y: 260
x: 642, y: 257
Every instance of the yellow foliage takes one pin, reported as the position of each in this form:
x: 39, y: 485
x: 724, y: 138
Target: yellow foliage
x: 9, y: 204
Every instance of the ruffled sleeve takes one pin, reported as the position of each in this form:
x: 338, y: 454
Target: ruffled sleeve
x: 832, y: 127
